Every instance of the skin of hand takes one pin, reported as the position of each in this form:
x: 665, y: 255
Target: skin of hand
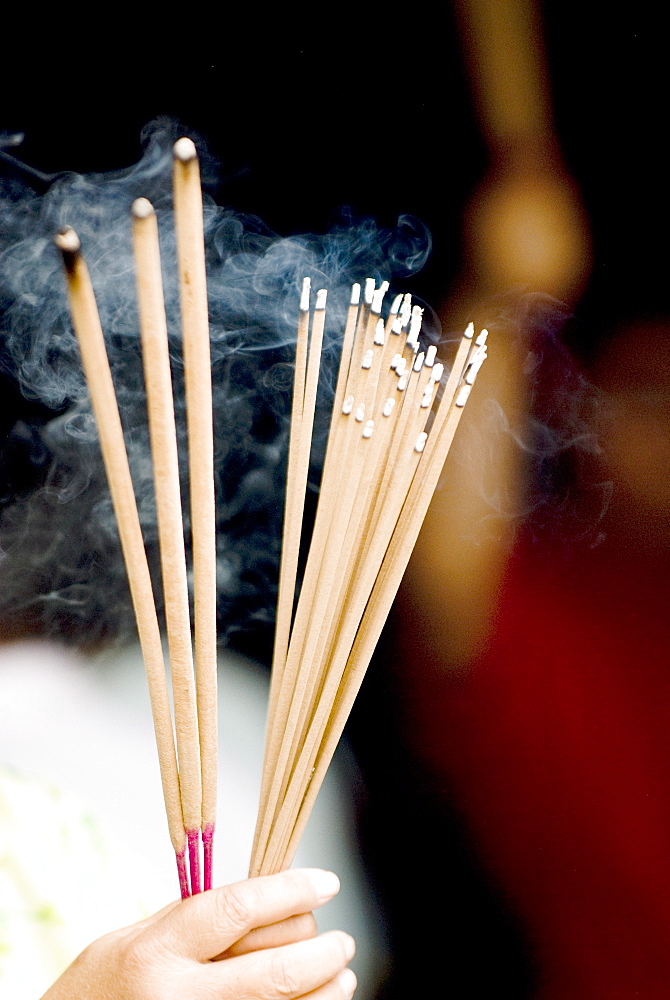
x: 253, y: 940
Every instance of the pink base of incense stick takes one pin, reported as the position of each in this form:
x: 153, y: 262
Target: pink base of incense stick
x: 193, y: 837
x: 181, y: 871
x: 207, y: 850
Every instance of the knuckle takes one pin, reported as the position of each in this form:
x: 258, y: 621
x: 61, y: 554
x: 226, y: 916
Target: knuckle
x: 234, y: 909
x: 283, y: 979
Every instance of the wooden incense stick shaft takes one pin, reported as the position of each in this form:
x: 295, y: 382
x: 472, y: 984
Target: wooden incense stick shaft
x: 158, y: 382
x: 197, y: 364
x: 89, y: 334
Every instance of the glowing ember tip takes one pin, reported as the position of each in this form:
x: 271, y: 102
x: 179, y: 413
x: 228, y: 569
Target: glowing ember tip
x: 142, y: 208
x: 321, y: 297
x: 184, y: 149
x: 68, y: 241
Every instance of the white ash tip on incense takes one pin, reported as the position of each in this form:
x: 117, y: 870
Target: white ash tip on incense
x: 369, y: 290
x: 355, y: 294
x: 415, y: 323
x: 348, y: 405
x: 402, y: 382
x: 421, y: 442
x: 400, y: 367
x: 368, y: 429
x: 418, y: 362
x: 304, y: 295
x: 481, y: 339
x: 438, y: 371
x: 142, y: 208
x: 462, y: 396
x: 388, y: 407
x: 406, y: 309
x: 360, y: 413
x: 395, y: 305
x: 367, y: 359
x: 427, y: 396
x: 395, y: 361
x: 378, y: 298
x: 431, y: 354
x: 67, y: 240
x: 473, y: 369
x: 379, y: 333
x: 321, y: 297
x: 469, y: 331
x: 184, y: 149
x: 397, y: 325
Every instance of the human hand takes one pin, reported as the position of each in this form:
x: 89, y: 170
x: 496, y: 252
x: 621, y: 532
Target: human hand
x: 253, y: 939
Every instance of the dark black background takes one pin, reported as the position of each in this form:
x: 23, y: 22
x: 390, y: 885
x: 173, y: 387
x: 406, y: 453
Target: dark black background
x: 310, y: 110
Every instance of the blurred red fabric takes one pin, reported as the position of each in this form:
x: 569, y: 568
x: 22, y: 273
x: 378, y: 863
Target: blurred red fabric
x: 557, y: 744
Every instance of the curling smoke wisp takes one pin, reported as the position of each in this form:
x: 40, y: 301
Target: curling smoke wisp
x: 62, y: 568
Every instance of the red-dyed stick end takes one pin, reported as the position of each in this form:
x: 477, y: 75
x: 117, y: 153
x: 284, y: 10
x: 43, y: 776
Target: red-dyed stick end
x: 193, y: 837
x: 181, y: 871
x: 207, y: 852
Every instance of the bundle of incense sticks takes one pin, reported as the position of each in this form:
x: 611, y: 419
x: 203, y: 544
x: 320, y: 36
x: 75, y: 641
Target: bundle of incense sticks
x: 393, y: 420
x: 189, y: 768
x: 392, y: 424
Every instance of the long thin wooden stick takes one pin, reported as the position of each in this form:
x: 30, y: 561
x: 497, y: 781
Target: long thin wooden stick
x: 89, y: 334
x: 157, y: 376
x: 195, y: 328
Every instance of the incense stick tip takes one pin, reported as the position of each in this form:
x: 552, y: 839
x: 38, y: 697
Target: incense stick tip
x: 463, y: 394
x: 395, y: 305
x: 369, y: 290
x: 378, y: 297
x: 379, y: 333
x: 421, y: 442
x: 355, y: 294
x: 184, y: 149
x: 431, y: 354
x: 401, y: 365
x: 67, y: 240
x: 469, y: 331
x: 418, y: 362
x: 438, y: 371
x: 481, y: 339
x: 321, y: 297
x: 395, y: 361
x: 348, y: 405
x: 368, y: 429
x: 142, y: 208
x: 367, y: 359
x: 360, y: 413
x: 388, y: 407
x: 304, y: 295
x: 402, y: 382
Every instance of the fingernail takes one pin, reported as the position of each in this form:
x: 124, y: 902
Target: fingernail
x: 327, y: 884
x: 347, y: 982
x: 349, y: 946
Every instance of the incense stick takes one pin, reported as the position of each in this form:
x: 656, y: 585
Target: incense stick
x: 156, y: 361
x: 375, y: 491
x: 89, y: 334
x: 197, y: 365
